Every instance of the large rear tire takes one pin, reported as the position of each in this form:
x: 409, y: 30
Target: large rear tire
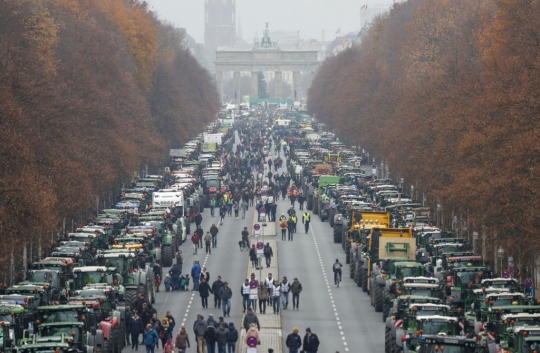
x: 358, y: 275
x: 310, y: 202
x: 331, y: 215
x: 338, y: 233
x: 315, y: 206
x: 167, y: 255
x: 364, y: 281
x: 387, y: 340
x: 351, y: 270
x: 348, y: 253
x: 130, y: 295
x: 378, y: 297
x: 387, y: 299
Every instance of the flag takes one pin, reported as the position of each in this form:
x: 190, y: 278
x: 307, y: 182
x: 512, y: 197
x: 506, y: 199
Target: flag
x: 339, y: 29
x: 363, y: 7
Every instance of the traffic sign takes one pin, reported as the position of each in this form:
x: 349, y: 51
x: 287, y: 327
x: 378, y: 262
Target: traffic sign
x: 260, y: 245
x: 505, y: 274
x: 251, y: 342
x: 529, y: 282
x: 256, y: 226
x: 253, y: 284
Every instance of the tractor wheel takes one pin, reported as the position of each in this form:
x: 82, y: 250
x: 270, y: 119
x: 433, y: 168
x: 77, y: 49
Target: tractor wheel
x: 351, y: 270
x: 358, y: 276
x: 348, y: 253
x: 338, y: 233
x: 120, y: 340
x: 331, y: 215
x: 371, y: 292
x: 387, y: 303
x: 364, y: 280
x: 166, y: 255
x: 310, y: 202
x: 388, y: 340
x: 343, y: 237
x: 315, y: 206
x: 130, y: 296
x: 378, y: 297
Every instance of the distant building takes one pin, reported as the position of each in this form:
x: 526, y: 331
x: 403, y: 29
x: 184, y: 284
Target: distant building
x: 219, y: 23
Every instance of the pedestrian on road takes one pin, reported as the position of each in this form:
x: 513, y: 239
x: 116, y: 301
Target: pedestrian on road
x: 233, y: 338
x: 282, y: 217
x: 129, y: 316
x: 198, y: 219
x: 276, y: 294
x: 268, y: 254
x: 245, y: 237
x: 290, y: 227
x: 212, y: 207
x: 253, y: 332
x: 150, y: 339
x: 253, y: 256
x: 182, y: 340
x: 211, y: 321
x: 214, y: 232
x: 311, y: 342
x: 222, y: 211
x: 200, y: 232
x: 199, y: 328
x: 262, y: 295
x: 296, y: 289
x: 179, y: 260
x: 216, y: 286
x: 295, y: 220
x: 168, y: 346
x: 306, y: 218
x: 222, y: 337
x: 245, y: 294
x: 172, y: 322
x: 283, y: 224
x: 136, y: 327
x: 195, y: 240
x: 285, y: 289
x: 225, y: 293
x: 301, y: 200
x: 236, y: 208
x: 244, y: 207
x: 269, y: 282
x: 251, y: 318
x: 204, y: 292
x: 205, y: 274
x: 208, y: 242
x: 255, y: 282
x: 294, y: 341
x: 210, y: 338
x: 195, y: 274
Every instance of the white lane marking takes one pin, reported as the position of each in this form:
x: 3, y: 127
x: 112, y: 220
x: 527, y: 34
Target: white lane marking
x: 329, y: 291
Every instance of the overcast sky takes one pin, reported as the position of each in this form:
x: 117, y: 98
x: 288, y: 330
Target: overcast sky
x: 309, y: 17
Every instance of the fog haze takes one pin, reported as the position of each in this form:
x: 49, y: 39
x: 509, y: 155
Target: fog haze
x: 309, y: 17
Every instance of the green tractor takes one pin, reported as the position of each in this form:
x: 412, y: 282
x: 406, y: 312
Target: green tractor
x: 136, y: 275
x: 98, y: 277
x: 14, y: 320
x: 447, y: 344
x: 506, y: 327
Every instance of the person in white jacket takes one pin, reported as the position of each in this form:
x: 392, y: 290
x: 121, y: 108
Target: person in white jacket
x: 276, y: 293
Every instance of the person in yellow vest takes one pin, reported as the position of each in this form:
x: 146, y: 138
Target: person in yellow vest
x: 306, y: 217
x: 295, y: 220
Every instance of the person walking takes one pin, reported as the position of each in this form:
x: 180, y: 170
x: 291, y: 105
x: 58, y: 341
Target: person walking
x: 253, y: 256
x: 244, y: 206
x: 129, y: 316
x: 222, y: 337
x: 276, y: 294
x: 195, y: 274
x: 295, y: 220
x: 253, y: 332
x: 285, y: 289
x: 216, y: 286
x: 195, y: 240
x: 262, y: 295
x: 199, y: 328
x: 225, y: 293
x: 210, y: 338
x: 182, y: 340
x: 208, y: 242
x: 212, y: 207
x: 251, y: 318
x: 222, y: 211
x: 204, y: 292
x: 200, y: 232
x: 214, y: 232
x: 179, y: 260
x: 136, y: 327
x: 269, y: 283
x: 296, y: 289
x: 301, y: 200
x: 198, y: 219
x: 150, y: 339
x: 168, y: 346
x: 268, y: 254
x: 290, y: 228
x: 245, y: 294
x: 165, y: 333
x: 233, y: 338
x: 236, y: 208
x: 311, y: 342
x: 294, y: 341
x: 306, y: 218
x: 283, y: 225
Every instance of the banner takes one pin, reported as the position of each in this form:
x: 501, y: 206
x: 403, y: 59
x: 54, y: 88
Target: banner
x: 213, y: 138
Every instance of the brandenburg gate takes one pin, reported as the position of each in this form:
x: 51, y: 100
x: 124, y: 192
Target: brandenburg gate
x: 265, y: 56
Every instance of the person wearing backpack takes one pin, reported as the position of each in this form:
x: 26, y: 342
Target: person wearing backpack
x: 268, y: 254
x: 233, y: 338
x: 210, y: 338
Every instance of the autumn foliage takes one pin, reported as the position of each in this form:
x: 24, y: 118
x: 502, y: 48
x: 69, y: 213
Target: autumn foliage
x: 447, y: 92
x: 90, y: 90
